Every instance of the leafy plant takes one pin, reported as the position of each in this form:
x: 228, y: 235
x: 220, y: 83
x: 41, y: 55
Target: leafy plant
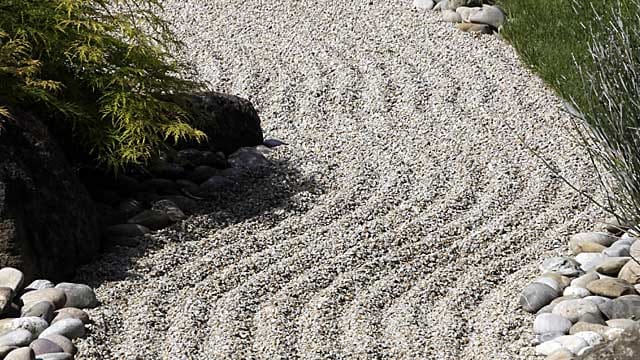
x: 104, y: 66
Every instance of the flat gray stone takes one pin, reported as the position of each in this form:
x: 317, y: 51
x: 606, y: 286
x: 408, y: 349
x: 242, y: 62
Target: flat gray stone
x: 63, y: 342
x: 18, y: 337
x: 70, y: 328
x: 624, y: 307
x: 611, y: 287
x: 24, y: 353
x: 71, y: 313
x: 39, y: 285
x: 170, y: 208
x: 44, y: 346
x: 488, y: 14
x: 4, y: 350
x: 55, y: 296
x: 78, y: 295
x: 11, y: 278
x: 583, y: 280
x: 551, y: 323
x: 451, y: 16
x: 574, y: 309
x: 152, y: 219
x: 34, y: 325
x: 55, y: 356
x: 423, y: 4
x: 535, y: 296
x: 561, y: 265
x: 6, y: 296
x: 41, y: 309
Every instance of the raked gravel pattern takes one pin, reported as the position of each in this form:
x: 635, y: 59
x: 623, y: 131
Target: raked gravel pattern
x: 401, y: 222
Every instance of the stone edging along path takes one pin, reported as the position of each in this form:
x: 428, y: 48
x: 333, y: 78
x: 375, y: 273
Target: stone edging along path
x: 476, y: 16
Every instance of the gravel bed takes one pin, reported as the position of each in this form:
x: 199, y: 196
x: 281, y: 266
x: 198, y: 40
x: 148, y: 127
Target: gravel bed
x: 402, y: 220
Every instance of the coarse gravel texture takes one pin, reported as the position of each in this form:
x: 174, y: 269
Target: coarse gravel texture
x: 401, y: 222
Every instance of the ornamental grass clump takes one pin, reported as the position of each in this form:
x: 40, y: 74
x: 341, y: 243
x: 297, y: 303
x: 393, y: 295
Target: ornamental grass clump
x: 101, y: 68
x: 609, y: 127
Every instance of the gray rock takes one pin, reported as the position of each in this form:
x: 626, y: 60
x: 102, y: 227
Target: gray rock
x: 248, y: 158
x: 442, y: 5
x: 214, y: 159
x: 572, y: 343
x: 39, y: 285
x: 601, y: 238
x: 620, y: 250
x: 161, y: 186
x: 543, y: 338
x: 70, y: 328
x: 592, y: 318
x: 34, y: 325
x: 4, y: 350
x: 476, y: 28
x: 561, y: 265
x: 41, y: 309
x: 451, y: 16
x: 130, y: 207
x: 55, y: 356
x: 548, y: 347
x: 423, y: 4
x: 170, y: 208
x: 537, y: 295
x: 164, y: 169
x: 626, y: 347
x: 612, y: 266
x: 488, y: 14
x: 188, y: 206
x: 152, y: 219
x: 55, y: 296
x: 583, y: 280
x: 44, y: 346
x: 454, y: 4
x: 611, y: 287
x: 576, y: 291
x: 18, y: 337
x: 593, y: 261
x: 551, y: 282
x: 591, y: 337
x: 624, y: 307
x: 6, y: 296
x: 597, y: 299
x: 187, y: 185
x: 71, y: 313
x: 78, y: 295
x: 621, y: 323
x: 11, y: 278
x: 201, y: 173
x: 127, y: 230
x: 630, y: 272
x: 215, y: 184
x: 24, y: 353
x: 272, y: 143
x: 551, y: 323
x: 574, y: 309
x: 64, y: 343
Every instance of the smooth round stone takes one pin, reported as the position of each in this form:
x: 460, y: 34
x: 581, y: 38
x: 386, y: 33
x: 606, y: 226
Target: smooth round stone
x: 543, y: 338
x: 613, y: 333
x: 549, y: 347
x: 423, y: 4
x: 488, y: 14
x: 70, y: 328
x: 160, y: 186
x: 561, y: 265
x: 39, y: 285
x: 583, y: 280
x: 152, y: 219
x: 562, y: 354
x: 55, y: 296
x: 535, y: 296
x: 18, y: 337
x: 71, y: 313
x: 630, y: 272
x: 11, y: 278
x: 583, y: 326
x: 563, y: 298
x: 451, y: 16
x: 6, y: 296
x: 547, y: 309
x: 55, y: 356
x: 215, y: 184
x: 549, y: 282
x: 585, y: 351
x: 551, y: 323
x: 188, y: 185
x: 442, y: 5
x: 165, y: 169
x: 621, y: 323
x: 170, y: 208
x: 464, y: 12
x: 475, y: 28
x: 591, y: 337
x: 629, y: 237
x: 611, y: 288
x: 634, y: 250
x: 574, y: 309
x: 185, y: 204
x: 65, y: 344
x: 44, y: 346
x: 563, y: 281
x: 624, y: 307
x: 572, y: 343
x: 34, y: 325
x: 600, y: 238
x: 201, y: 173
x: 576, y: 291
x: 41, y: 309
x: 597, y: 299
x: 130, y: 207
x: 24, y: 353
x: 4, y: 350
x: 78, y: 295
x: 590, y: 261
x: 612, y: 266
x: 617, y: 251
x: 593, y: 318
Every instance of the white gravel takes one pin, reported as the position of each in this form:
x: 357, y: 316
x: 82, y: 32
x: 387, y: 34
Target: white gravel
x: 401, y: 222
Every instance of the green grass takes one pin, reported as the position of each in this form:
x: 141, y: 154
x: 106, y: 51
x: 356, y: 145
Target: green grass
x: 550, y: 34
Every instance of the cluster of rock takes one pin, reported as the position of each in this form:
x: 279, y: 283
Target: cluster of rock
x: 40, y: 320
x: 479, y: 16
x: 589, y: 298
x: 168, y: 189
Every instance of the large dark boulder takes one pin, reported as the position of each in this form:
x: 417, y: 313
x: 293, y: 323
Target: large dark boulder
x: 229, y: 121
x: 48, y: 223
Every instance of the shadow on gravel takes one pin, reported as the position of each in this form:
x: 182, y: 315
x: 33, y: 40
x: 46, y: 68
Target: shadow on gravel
x: 267, y: 197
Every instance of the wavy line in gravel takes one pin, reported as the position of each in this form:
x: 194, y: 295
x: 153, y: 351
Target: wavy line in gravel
x: 400, y: 223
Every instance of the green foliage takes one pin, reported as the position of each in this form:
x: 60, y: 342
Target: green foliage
x: 105, y: 66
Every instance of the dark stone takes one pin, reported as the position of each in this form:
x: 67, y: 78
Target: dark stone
x: 126, y: 184
x: 230, y: 122
x: 170, y: 208
x: 48, y: 223
x: 130, y: 207
x: 624, y: 347
x: 215, y: 184
x: 108, y: 215
x: 127, y: 230
x: 214, y: 159
x: 187, y: 185
x: 271, y: 143
x: 165, y: 169
x: 161, y: 186
x: 152, y: 219
x: 184, y: 203
x: 41, y: 309
x: 535, y: 296
x: 624, y: 307
x: 146, y: 197
x: 248, y: 158
x: 44, y: 346
x: 201, y: 173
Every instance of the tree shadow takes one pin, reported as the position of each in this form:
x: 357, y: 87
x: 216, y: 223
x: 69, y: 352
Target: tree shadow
x: 255, y: 194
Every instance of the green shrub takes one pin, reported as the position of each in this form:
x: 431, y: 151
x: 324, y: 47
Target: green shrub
x: 610, y: 125
x: 104, y: 66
